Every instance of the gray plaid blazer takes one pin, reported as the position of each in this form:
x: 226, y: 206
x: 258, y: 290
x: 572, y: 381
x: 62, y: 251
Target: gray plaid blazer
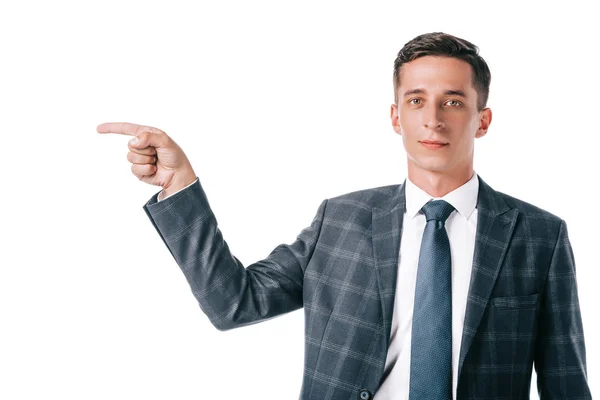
x: 522, y: 303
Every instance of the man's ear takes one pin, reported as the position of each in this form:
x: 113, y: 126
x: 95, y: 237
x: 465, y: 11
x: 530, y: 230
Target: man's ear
x: 394, y: 118
x: 485, y: 120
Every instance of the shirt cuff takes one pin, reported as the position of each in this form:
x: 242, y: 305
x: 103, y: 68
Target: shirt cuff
x: 162, y: 192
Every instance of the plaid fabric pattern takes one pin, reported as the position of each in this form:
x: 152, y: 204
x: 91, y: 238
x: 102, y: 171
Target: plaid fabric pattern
x: 522, y: 308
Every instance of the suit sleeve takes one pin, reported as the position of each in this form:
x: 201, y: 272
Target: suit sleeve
x: 560, y: 359
x: 230, y: 294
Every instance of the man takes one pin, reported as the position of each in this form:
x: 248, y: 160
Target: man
x: 437, y: 288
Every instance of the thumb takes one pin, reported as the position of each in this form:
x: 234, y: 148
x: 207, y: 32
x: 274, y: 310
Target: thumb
x: 146, y: 139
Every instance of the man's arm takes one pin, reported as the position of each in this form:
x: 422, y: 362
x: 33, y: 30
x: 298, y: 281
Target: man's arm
x: 229, y: 294
x: 560, y: 359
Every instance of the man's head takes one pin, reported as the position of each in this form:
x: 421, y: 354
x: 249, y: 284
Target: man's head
x: 441, y: 87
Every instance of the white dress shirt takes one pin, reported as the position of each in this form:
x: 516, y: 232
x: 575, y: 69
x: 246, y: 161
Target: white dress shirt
x: 461, y: 228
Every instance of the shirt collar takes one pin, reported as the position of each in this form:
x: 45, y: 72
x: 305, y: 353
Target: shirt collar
x: 463, y: 198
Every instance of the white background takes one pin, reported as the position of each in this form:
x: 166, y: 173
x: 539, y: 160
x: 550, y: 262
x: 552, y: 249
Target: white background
x: 278, y: 105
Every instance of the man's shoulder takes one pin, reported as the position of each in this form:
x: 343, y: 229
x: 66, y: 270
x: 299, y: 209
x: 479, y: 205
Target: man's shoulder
x: 529, y: 210
x: 368, y: 197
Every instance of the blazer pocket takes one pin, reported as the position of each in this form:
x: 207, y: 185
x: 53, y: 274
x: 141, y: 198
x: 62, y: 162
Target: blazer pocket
x: 516, y: 302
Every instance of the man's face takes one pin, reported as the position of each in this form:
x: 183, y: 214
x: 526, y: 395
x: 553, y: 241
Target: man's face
x: 437, y: 102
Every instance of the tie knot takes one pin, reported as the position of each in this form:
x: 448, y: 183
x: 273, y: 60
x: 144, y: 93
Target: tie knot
x: 439, y: 210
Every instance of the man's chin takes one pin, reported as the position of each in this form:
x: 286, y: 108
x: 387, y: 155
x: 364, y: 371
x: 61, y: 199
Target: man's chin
x: 431, y: 166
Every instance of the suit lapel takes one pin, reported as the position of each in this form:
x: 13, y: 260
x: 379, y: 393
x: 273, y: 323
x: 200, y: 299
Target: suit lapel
x: 495, y: 225
x: 386, y: 230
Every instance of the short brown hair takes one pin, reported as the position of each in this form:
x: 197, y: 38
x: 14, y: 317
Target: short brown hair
x: 443, y: 44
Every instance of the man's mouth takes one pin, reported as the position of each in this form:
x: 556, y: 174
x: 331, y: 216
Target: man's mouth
x: 433, y: 144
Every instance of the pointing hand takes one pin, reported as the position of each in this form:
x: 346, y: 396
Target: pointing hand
x: 156, y: 158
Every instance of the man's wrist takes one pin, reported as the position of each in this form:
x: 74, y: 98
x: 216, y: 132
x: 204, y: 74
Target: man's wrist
x: 179, y: 182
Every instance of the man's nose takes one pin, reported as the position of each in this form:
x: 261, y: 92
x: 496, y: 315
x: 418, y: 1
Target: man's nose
x: 433, y: 119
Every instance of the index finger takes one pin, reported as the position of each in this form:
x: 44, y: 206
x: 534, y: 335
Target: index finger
x: 124, y: 128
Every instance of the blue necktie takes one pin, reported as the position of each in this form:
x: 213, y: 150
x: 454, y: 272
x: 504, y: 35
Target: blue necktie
x: 431, y: 341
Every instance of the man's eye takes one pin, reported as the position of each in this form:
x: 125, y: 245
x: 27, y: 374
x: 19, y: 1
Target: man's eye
x: 456, y: 102
x: 412, y: 101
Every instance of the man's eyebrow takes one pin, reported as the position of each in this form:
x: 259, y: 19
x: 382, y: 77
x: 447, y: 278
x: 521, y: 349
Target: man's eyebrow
x: 454, y: 92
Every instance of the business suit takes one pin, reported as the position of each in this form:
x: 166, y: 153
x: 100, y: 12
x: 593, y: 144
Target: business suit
x: 522, y: 303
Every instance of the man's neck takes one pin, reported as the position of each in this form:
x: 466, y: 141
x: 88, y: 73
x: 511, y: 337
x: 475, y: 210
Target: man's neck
x: 438, y: 184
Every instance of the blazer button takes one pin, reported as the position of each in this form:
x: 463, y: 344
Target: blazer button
x: 364, y: 394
